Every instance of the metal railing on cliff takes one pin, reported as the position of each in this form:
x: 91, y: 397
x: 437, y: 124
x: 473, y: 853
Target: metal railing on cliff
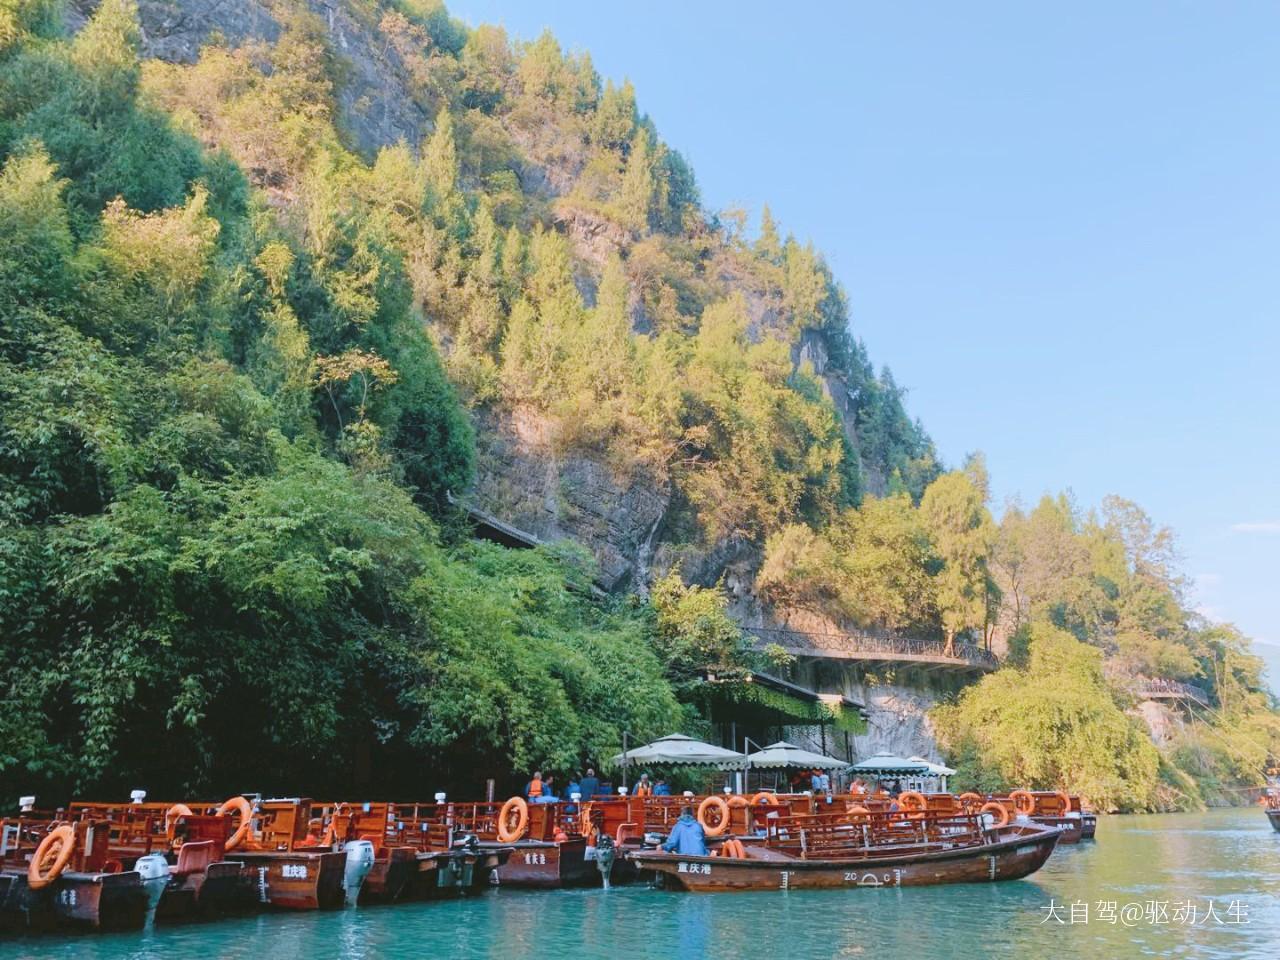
x: 1158, y: 688
x: 869, y: 645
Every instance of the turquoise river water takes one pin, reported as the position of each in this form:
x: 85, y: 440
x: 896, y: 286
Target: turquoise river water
x: 1144, y: 889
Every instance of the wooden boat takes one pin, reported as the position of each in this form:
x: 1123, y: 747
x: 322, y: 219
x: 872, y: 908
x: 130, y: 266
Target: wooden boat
x: 415, y: 856
x: 290, y: 867
x: 460, y: 848
x: 1088, y: 819
x: 1271, y: 803
x: 57, y: 874
x: 1048, y: 808
x: 199, y: 881
x: 825, y: 851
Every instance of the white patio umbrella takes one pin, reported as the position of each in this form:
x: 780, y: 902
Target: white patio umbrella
x: 941, y: 771
x: 887, y: 765
x: 935, y: 769
x: 788, y: 755
x: 679, y: 750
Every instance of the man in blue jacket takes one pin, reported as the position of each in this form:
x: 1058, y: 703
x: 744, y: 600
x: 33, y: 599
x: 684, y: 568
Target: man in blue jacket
x: 687, y: 836
x: 589, y: 785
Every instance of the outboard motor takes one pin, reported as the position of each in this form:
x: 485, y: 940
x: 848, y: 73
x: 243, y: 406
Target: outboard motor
x: 154, y: 871
x: 606, y: 853
x: 359, y: 863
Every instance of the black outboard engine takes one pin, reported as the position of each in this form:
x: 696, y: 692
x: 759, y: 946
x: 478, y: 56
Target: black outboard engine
x: 606, y: 853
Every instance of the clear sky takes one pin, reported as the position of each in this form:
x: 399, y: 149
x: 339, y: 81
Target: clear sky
x: 1058, y: 224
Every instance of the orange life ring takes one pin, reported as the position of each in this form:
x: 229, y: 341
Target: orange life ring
x: 768, y: 799
x: 999, y: 810
x: 171, y: 818
x: 720, y: 804
x: 737, y: 801
x: 970, y: 800
x: 506, y: 832
x: 733, y: 848
x: 245, y: 809
x: 1063, y: 799
x: 912, y: 801
x: 858, y: 810
x: 1023, y: 801
x: 51, y: 857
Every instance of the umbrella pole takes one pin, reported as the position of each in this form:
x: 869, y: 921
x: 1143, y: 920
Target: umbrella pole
x: 626, y: 761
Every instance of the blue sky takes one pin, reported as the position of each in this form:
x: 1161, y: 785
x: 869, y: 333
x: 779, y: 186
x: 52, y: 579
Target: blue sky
x: 1059, y: 225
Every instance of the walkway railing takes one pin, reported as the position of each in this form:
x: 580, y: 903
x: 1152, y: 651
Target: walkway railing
x: 1158, y: 688
x: 874, y: 646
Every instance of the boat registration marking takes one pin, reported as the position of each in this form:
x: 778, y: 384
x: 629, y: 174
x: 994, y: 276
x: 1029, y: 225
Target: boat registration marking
x: 702, y: 868
x: 67, y: 897
x: 293, y: 871
x: 538, y: 858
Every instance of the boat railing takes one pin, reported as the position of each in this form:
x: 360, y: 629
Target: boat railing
x: 838, y: 835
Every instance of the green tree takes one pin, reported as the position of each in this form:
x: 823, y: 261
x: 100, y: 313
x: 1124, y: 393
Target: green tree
x: 1052, y: 724
x: 954, y: 512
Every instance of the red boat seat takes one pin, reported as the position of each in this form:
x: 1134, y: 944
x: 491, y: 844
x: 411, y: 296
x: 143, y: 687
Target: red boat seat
x: 194, y: 858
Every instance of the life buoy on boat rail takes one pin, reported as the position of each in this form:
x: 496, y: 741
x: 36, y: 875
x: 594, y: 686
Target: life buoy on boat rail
x: 1023, y: 801
x: 51, y: 856
x: 998, y: 810
x: 508, y: 832
x: 766, y: 798
x: 243, y: 807
x: 714, y: 830
x: 171, y: 818
x: 970, y: 801
x: 912, y: 802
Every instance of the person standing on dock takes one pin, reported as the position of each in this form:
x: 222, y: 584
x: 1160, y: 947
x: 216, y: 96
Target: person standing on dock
x: 590, y: 785
x: 687, y: 836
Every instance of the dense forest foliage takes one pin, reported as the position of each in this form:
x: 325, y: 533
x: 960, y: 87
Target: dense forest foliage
x: 243, y: 360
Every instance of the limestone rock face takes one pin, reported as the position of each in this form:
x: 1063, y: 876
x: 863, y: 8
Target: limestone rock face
x: 1163, y: 723
x: 375, y: 106
x: 523, y: 479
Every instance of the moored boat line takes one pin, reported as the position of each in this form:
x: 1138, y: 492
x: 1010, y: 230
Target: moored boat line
x: 113, y: 865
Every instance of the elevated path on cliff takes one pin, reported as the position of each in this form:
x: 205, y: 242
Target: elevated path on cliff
x: 879, y: 649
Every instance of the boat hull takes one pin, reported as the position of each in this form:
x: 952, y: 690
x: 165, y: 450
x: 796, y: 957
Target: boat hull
x: 1274, y: 817
x: 296, y: 881
x: 547, y: 864
x: 392, y: 872
x: 222, y: 888
x: 442, y: 874
x: 1072, y: 827
x: 83, y: 901
x: 1010, y: 859
x: 1088, y: 826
